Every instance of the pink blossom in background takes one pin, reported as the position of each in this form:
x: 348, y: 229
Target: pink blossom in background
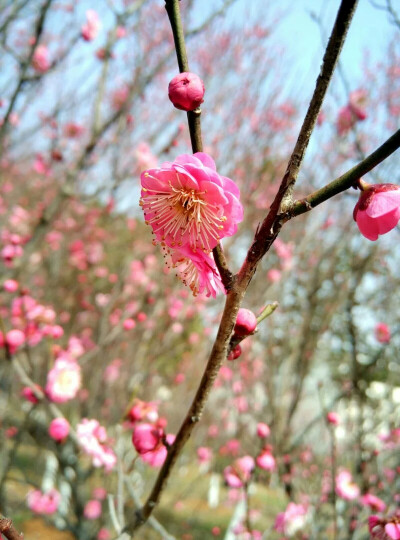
x: 239, y: 473
x: 14, y: 339
x: 374, y: 502
x: 292, y: 520
x: 345, y: 487
x: 92, y: 438
x: 188, y: 204
x: 266, y: 460
x: 92, y: 509
x: 40, y: 59
x: 186, y: 91
x: 198, y: 271
x: 377, y: 210
x: 204, y: 454
x: 143, y: 410
x: 43, y: 503
x: 274, y: 275
x: 10, y: 285
x: 59, y: 429
x: 246, y: 322
x: 145, y: 157
x: 100, y: 493
x: 119, y: 97
x: 73, y: 130
x: 333, y: 418
x: 92, y: 27
x: 156, y: 457
x: 357, y: 103
x: 382, y: 333
x: 63, y: 380
x: 263, y: 430
x: 29, y: 394
x: 345, y: 120
x: 104, y: 534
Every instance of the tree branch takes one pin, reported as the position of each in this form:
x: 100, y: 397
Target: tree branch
x: 8, y: 530
x: 347, y: 179
x: 272, y: 224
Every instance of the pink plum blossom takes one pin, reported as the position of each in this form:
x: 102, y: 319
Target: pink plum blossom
x: 374, y: 502
x: 266, y: 460
x: 382, y: 333
x: 292, y: 520
x: 198, y: 271
x: 43, y: 503
x: 92, y: 438
x: 239, y: 473
x: 10, y: 285
x: 92, y: 27
x: 333, y: 418
x: 357, y: 103
x: 59, y: 429
x: 40, y: 59
x: 377, y: 210
x: 92, y: 509
x: 188, y: 204
x: 186, y: 91
x: 146, y: 438
x: 14, y: 339
x: 345, y: 487
x: 63, y: 380
x: 263, y: 430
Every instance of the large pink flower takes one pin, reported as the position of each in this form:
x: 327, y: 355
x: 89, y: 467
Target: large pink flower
x: 377, y: 210
x: 188, y: 204
x: 384, y: 529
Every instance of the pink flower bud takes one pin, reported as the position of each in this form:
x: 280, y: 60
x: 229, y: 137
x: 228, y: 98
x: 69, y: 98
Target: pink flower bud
x: 129, y: 324
x: 14, y: 339
x: 146, y: 438
x: 10, y: 285
x: 266, y: 460
x: 246, y: 322
x: 92, y: 509
x: 263, y: 430
x: 377, y: 210
x: 59, y: 429
x: 186, y: 91
x: 332, y: 418
x: 235, y: 353
x: 382, y: 333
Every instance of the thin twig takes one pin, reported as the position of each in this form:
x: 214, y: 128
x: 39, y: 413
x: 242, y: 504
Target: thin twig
x: 346, y: 181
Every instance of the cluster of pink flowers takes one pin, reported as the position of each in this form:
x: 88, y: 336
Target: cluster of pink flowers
x: 190, y: 208
x: 353, y: 112
x: 31, y: 321
x: 92, y: 438
x: 43, y: 503
x: 239, y: 473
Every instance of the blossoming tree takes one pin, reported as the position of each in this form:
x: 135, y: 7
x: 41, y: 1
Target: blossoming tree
x: 103, y: 347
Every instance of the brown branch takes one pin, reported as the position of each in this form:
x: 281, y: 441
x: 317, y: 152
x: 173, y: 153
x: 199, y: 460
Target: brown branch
x: 272, y: 224
x: 347, y: 179
x: 8, y: 530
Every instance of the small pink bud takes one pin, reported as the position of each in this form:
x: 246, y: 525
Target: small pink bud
x: 146, y: 438
x: 186, y: 91
x: 333, y: 418
x: 246, y: 322
x: 235, y: 353
x: 14, y: 339
x: 92, y: 509
x: 129, y: 324
x: 382, y: 333
x: 10, y: 285
x: 59, y: 429
x: 263, y: 430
